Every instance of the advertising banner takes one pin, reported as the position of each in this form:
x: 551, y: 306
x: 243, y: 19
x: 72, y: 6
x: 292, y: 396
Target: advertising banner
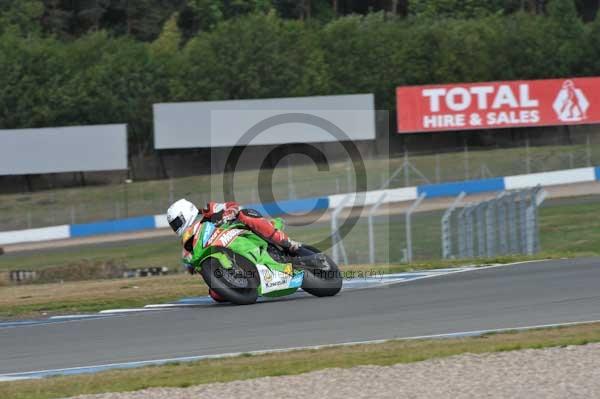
x: 213, y: 124
x: 63, y: 149
x: 494, y: 105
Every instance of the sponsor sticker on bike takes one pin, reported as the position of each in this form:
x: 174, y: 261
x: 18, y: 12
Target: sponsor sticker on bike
x: 209, y: 229
x: 296, y: 281
x: 223, y: 239
x: 273, y: 280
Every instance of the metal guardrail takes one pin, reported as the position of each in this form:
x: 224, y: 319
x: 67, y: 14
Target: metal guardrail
x: 19, y: 276
x: 27, y: 276
x: 146, y: 272
x: 505, y: 225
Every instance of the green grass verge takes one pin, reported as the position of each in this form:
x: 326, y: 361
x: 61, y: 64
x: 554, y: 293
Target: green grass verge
x: 246, y: 367
x: 133, y: 254
x: 571, y: 229
x: 36, y: 300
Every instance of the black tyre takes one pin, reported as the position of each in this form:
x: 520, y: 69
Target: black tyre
x: 321, y: 283
x: 238, y: 285
x: 216, y: 297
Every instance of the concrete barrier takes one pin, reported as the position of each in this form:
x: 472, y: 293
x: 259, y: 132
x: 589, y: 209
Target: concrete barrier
x: 306, y: 205
x: 30, y: 235
x: 112, y: 226
x: 558, y: 177
x: 468, y: 187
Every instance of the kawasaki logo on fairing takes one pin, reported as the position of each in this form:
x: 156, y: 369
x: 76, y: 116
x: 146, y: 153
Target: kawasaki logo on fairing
x: 275, y: 283
x: 268, y: 276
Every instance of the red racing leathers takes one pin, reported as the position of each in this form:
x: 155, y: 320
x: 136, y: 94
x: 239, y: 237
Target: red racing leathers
x: 218, y: 212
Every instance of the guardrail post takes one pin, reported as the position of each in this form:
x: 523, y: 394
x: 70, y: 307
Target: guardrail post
x: 490, y: 226
x: 409, y: 212
x: 523, y: 220
x: 530, y: 220
x: 502, y: 228
x: 370, y: 226
x: 447, y: 227
x: 511, y: 201
x: 540, y: 197
x: 470, y: 235
x: 336, y: 242
x: 480, y: 215
x: 462, y: 233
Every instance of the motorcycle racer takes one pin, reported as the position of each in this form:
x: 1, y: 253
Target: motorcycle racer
x: 183, y: 214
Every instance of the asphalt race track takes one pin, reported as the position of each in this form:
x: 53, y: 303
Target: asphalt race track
x: 503, y: 297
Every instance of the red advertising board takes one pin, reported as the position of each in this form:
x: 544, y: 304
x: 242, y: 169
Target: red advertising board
x: 494, y: 105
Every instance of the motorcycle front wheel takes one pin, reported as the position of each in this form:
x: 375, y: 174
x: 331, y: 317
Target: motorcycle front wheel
x: 322, y: 282
x: 238, y: 285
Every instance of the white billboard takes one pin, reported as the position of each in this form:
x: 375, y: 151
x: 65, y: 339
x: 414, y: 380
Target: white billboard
x: 63, y: 149
x: 264, y: 121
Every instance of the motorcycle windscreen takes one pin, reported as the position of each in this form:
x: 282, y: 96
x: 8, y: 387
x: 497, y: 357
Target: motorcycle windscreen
x: 208, y: 229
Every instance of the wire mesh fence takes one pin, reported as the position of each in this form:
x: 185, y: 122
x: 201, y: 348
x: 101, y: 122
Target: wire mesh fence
x: 505, y: 225
x: 400, y: 235
x: 290, y: 181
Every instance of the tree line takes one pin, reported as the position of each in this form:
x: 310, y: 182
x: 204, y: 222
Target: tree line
x: 107, y: 61
x: 142, y: 19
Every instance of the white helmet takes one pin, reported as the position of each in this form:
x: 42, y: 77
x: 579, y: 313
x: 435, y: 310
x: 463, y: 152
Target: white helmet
x: 181, y: 215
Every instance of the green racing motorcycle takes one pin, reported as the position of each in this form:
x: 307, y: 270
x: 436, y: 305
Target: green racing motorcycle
x: 239, y: 266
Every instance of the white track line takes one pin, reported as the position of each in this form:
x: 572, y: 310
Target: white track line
x: 172, y: 305
x: 9, y: 379
x: 132, y: 310
x: 74, y: 316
